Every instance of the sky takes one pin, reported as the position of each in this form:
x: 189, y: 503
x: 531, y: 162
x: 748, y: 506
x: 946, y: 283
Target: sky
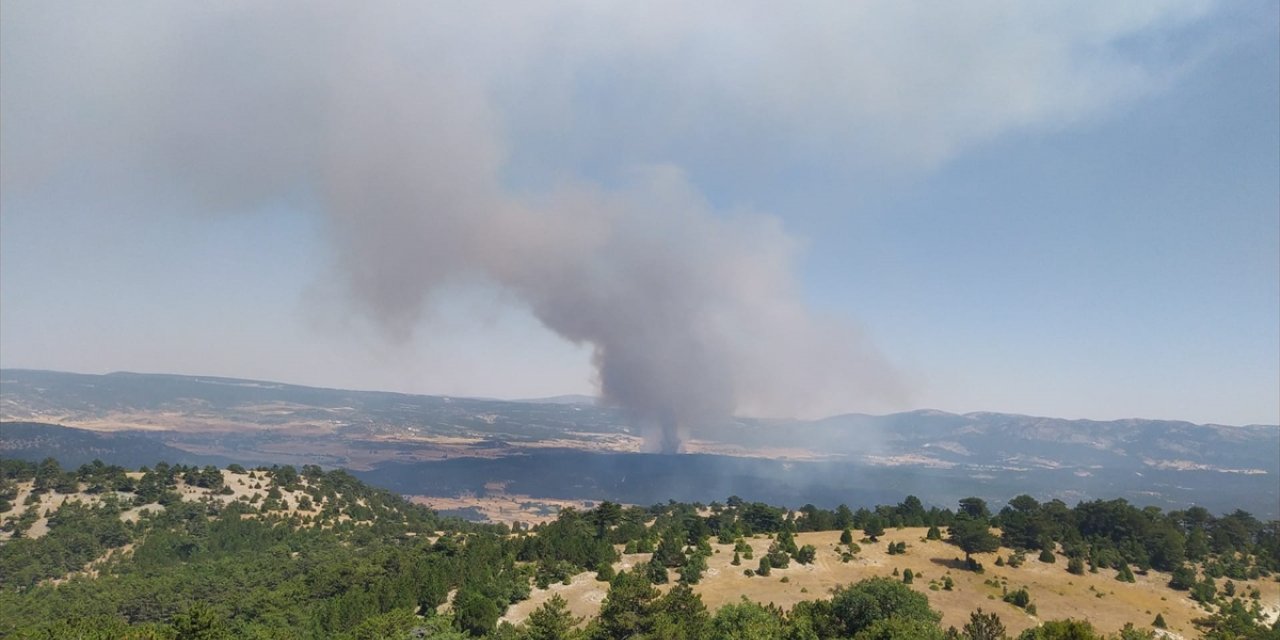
x: 1064, y: 209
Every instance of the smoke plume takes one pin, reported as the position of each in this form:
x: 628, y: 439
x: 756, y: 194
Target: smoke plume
x: 397, y: 125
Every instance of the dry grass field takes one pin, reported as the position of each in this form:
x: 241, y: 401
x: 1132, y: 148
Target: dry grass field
x: 499, y: 507
x: 1100, y: 598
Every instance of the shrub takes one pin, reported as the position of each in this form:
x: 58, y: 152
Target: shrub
x: 1124, y: 574
x: 806, y: 554
x: 606, y: 572
x: 1075, y: 565
x: 1184, y: 577
x: 765, y: 568
x: 1020, y: 598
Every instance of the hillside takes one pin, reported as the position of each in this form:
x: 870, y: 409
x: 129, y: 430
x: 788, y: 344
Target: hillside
x: 1056, y: 593
x: 441, y: 446
x: 179, y: 551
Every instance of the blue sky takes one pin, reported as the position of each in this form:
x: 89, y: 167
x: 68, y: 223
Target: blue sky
x: 1069, y: 211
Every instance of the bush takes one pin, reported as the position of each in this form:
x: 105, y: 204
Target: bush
x: 1075, y: 565
x: 1204, y: 592
x: 1184, y: 577
x: 1020, y: 598
x: 765, y: 568
x: 806, y: 554
x: 1124, y: 574
x: 606, y: 572
x: 691, y: 572
x: 1047, y: 556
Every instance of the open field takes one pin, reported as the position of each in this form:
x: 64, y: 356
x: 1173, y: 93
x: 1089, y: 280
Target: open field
x: 1104, y: 601
x: 499, y: 507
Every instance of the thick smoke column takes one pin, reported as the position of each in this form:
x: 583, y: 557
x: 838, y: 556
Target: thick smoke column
x: 692, y: 313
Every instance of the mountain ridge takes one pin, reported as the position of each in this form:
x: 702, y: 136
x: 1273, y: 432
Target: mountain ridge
x: 583, y: 399
x: 469, y: 444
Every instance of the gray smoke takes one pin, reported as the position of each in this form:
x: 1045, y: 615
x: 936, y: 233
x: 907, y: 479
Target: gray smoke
x: 388, y: 125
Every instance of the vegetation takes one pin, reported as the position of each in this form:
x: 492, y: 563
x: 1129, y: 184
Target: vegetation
x: 127, y: 555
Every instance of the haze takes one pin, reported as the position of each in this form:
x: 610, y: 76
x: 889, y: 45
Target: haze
x: 1068, y: 210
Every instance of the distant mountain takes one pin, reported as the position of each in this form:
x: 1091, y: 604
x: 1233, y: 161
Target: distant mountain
x: 204, y: 403
x: 1011, y: 441
x: 1160, y: 461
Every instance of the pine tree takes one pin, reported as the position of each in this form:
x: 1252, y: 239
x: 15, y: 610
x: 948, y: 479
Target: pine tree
x: 656, y: 572
x: 984, y: 626
x: 874, y: 528
x: 551, y: 621
x: 765, y: 567
x: 669, y: 553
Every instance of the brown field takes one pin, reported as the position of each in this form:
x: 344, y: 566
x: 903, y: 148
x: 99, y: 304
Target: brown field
x: 499, y: 507
x: 324, y: 444
x: 1101, y: 599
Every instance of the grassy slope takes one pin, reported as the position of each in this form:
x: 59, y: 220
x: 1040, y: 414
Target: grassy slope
x: 1055, y: 592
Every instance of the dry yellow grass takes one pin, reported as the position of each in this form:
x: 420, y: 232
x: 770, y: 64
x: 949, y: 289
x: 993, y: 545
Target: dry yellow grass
x: 1055, y: 592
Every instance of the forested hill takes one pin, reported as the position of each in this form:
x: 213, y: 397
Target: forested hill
x: 174, y: 551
